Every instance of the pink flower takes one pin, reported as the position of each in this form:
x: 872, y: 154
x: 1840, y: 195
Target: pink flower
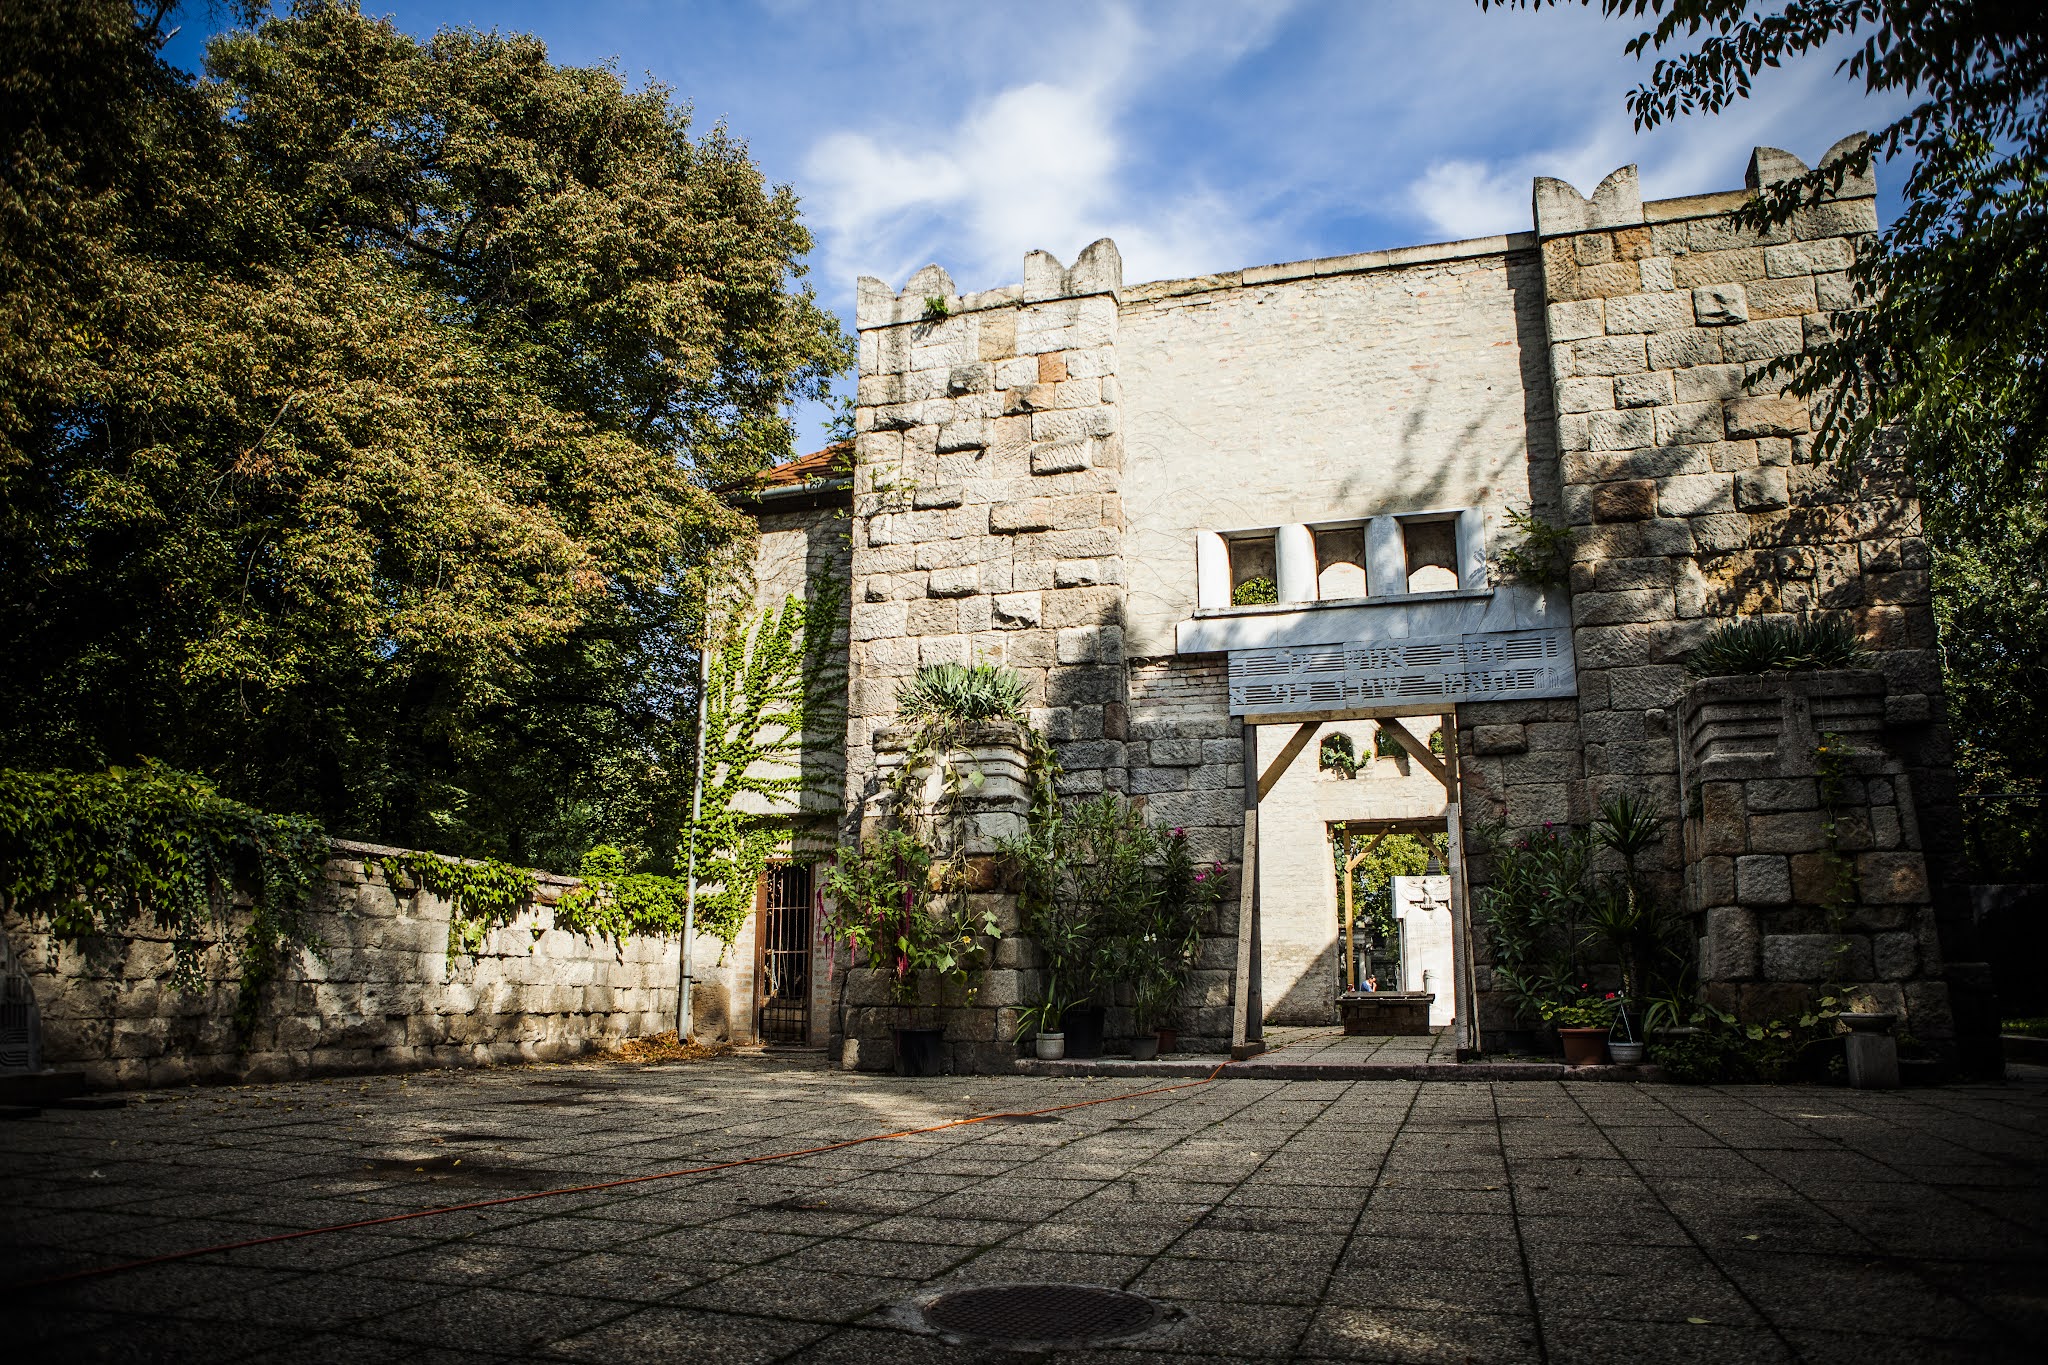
x: 1179, y: 831
x: 1201, y: 876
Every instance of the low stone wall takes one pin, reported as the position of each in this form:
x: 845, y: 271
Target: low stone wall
x: 383, y: 994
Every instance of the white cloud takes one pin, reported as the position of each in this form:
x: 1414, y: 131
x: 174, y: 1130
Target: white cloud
x: 1471, y: 198
x: 1036, y: 164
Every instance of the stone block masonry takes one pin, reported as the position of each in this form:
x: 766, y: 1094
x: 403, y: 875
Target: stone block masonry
x: 1042, y: 467
x: 1804, y: 862
x: 1691, y: 489
x: 988, y: 515
x: 383, y: 995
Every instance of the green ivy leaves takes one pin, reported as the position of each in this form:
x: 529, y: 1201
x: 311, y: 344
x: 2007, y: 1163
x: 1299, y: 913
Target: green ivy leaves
x: 90, y: 854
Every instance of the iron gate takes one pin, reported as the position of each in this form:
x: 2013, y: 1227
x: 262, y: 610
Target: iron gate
x: 785, y: 954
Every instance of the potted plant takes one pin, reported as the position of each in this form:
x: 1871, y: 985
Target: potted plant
x: 902, y: 921
x: 1115, y: 908
x: 1582, y: 1025
x: 1171, y: 935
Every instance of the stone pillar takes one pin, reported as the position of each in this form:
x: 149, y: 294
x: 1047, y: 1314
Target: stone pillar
x: 1693, y: 497
x: 988, y: 512
x: 1803, y: 860
x: 1212, y: 571
x: 965, y: 802
x: 1386, y: 557
x: 1294, y: 563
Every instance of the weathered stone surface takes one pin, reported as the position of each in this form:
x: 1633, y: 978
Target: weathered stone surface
x: 1629, y: 500
x: 1720, y: 305
x: 1816, y: 957
x: 1763, y: 879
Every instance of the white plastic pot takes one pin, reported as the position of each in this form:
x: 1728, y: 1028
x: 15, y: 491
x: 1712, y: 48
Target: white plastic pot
x: 1625, y: 1054
x: 1052, y: 1046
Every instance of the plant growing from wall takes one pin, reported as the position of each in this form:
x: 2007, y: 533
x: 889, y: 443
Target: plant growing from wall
x: 1543, y: 556
x: 1765, y: 645
x: 1255, y: 592
x: 1336, y: 754
x: 777, y: 693
x: 615, y: 904
x: 90, y: 854
x: 481, y: 896
x: 883, y: 899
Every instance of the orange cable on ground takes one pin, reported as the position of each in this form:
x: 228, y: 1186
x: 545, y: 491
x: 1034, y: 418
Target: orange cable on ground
x: 99, y: 1271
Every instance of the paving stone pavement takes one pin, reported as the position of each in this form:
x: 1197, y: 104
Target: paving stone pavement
x: 1374, y: 1220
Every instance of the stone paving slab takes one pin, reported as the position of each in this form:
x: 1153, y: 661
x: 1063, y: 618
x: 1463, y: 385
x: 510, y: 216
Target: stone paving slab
x: 1326, y: 1054
x: 1307, y: 1219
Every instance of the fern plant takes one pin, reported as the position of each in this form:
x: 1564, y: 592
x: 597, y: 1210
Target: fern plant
x: 1543, y: 556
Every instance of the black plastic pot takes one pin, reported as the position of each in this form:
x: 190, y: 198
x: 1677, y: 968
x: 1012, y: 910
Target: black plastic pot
x: 919, y: 1051
x: 1083, y: 1027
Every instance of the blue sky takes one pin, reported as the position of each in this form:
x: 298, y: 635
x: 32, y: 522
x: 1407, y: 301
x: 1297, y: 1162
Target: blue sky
x: 1201, y: 136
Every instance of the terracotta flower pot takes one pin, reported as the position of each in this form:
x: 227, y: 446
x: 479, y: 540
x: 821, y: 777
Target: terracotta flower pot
x: 1583, y: 1046
x: 1169, y: 1040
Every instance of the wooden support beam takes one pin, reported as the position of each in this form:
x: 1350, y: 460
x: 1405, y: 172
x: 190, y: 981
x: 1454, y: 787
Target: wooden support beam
x: 1351, y: 863
x: 1296, y: 742
x: 1417, y: 750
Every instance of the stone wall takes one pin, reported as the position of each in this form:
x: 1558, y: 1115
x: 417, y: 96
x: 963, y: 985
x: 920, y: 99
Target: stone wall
x: 1807, y: 871
x: 1692, y: 490
x: 988, y: 510
x: 1185, y: 753
x: 1392, y: 382
x: 383, y: 995
x: 1034, y: 463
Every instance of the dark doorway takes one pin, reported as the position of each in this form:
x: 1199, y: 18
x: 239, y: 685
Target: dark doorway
x: 784, y: 954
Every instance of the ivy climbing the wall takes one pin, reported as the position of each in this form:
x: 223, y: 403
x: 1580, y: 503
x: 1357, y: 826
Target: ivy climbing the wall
x: 88, y: 855
x: 616, y: 904
x: 481, y: 896
x: 777, y: 691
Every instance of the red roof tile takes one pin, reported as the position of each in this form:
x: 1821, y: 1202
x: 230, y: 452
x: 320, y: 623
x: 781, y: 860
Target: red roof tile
x: 828, y: 463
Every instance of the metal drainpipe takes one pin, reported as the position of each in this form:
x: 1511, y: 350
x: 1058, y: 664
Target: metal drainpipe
x: 685, y: 1021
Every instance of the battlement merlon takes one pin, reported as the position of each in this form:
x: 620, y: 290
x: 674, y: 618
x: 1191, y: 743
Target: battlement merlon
x: 1559, y: 210
x: 1099, y: 269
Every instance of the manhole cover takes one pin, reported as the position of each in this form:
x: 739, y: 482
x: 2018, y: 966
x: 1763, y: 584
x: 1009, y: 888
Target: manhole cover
x: 1064, y: 1315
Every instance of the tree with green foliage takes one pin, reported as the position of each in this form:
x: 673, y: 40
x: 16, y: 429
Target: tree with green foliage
x: 1944, y: 362
x: 1372, y: 891
x: 360, y: 403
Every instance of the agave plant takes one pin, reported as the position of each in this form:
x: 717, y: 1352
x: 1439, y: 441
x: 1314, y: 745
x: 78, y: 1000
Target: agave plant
x: 1770, y: 646
x: 983, y: 692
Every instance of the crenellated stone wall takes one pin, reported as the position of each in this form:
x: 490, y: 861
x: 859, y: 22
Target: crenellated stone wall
x: 988, y: 512
x: 1038, y: 466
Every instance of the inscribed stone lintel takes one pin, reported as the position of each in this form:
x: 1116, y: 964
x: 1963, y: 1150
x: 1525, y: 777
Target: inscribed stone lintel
x: 1386, y: 673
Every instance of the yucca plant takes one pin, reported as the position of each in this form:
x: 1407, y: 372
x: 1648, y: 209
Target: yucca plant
x: 1771, y: 646
x: 983, y: 692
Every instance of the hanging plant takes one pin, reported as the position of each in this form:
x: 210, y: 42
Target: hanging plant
x: 88, y: 855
